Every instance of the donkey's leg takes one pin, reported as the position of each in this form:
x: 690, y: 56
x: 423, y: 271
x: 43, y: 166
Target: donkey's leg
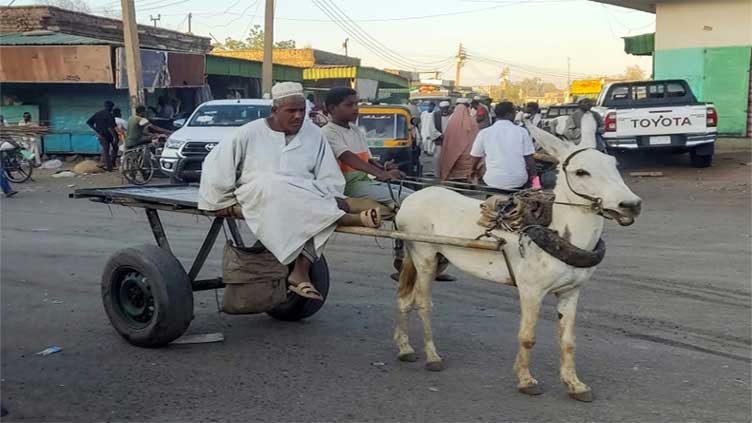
x: 405, y: 301
x: 530, y: 303
x: 567, y: 308
x: 426, y: 275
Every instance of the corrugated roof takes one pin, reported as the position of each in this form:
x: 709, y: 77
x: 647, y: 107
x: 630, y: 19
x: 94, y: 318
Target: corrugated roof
x: 47, y: 38
x: 640, y: 45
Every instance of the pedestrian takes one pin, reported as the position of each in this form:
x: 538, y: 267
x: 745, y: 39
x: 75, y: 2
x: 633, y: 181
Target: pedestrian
x: 531, y: 113
x: 455, y: 162
x: 31, y: 142
x: 507, y: 150
x: 482, y: 115
x: 5, y: 184
x: 574, y: 127
x: 440, y: 121
x: 103, y: 124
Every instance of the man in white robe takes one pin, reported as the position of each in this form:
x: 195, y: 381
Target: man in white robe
x: 283, y: 174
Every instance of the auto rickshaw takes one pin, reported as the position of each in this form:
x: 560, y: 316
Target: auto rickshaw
x: 391, y: 135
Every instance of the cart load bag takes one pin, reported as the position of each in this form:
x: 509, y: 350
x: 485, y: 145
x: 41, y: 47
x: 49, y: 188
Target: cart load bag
x: 254, y: 280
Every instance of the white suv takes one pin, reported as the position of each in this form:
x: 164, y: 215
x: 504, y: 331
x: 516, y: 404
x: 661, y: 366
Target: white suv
x: 209, y: 124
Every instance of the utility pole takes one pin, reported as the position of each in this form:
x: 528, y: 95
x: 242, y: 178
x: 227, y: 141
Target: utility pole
x: 344, y: 44
x: 267, y: 67
x: 190, y: 18
x: 132, y: 54
x: 155, y: 20
x: 460, y: 63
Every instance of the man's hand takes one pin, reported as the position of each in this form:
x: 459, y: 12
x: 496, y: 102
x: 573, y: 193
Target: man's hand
x: 391, y: 175
x: 389, y: 165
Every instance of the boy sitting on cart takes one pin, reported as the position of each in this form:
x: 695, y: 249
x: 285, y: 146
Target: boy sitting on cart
x: 283, y: 175
x: 349, y: 145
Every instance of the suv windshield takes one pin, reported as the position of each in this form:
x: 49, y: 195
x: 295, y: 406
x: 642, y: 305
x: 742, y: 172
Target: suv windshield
x: 382, y: 127
x: 228, y: 114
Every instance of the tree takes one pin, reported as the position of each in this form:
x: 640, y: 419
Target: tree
x: 74, y: 5
x: 254, y: 40
x: 634, y: 73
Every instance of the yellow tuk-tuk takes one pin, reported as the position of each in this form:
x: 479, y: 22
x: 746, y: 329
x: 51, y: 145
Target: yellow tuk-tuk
x: 390, y: 135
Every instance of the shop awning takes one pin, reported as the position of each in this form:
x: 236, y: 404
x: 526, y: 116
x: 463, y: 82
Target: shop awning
x: 640, y: 45
x: 385, y: 79
x: 232, y: 66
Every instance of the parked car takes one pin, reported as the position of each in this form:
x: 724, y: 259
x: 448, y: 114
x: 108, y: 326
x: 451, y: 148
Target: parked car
x: 206, y: 127
x: 659, y: 116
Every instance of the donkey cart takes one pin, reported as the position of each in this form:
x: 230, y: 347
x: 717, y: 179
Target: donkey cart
x: 148, y: 294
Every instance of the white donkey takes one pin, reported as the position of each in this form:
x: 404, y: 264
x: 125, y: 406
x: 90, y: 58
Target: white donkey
x: 588, y: 187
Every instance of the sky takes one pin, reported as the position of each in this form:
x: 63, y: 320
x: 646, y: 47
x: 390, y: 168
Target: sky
x: 535, y: 38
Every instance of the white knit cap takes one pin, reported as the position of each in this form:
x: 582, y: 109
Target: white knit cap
x: 462, y: 100
x: 444, y: 104
x: 287, y: 89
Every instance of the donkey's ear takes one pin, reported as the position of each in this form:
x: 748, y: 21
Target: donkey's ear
x: 551, y: 143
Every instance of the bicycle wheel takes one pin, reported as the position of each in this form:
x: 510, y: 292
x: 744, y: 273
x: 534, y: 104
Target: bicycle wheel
x: 17, y: 169
x: 147, y: 167
x: 130, y: 167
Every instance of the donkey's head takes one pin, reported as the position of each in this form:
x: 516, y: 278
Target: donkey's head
x: 587, y: 174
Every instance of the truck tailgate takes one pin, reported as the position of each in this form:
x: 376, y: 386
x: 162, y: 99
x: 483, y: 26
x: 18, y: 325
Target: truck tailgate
x: 661, y: 121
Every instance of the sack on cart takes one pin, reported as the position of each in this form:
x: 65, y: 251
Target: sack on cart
x: 254, y: 280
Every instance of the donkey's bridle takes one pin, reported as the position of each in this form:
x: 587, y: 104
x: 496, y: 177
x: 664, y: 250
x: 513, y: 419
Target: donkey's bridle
x: 596, y: 203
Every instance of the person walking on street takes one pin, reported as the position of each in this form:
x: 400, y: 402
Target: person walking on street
x: 103, y: 124
x: 455, y: 162
x: 574, y: 127
x: 5, y: 184
x: 508, y: 151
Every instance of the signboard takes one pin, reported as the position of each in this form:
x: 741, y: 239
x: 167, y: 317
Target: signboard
x: 586, y: 86
x: 56, y: 64
x: 162, y: 69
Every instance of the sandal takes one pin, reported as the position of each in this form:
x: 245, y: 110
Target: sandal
x: 305, y: 290
x: 371, y: 218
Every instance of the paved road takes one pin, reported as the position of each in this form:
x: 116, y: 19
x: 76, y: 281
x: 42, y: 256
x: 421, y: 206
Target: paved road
x: 663, y: 328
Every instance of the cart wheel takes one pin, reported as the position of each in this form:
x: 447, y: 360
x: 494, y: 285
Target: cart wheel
x: 297, y: 307
x: 147, y: 295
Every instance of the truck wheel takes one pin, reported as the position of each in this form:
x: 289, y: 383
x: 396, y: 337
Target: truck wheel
x: 147, y: 295
x: 297, y: 307
x: 700, y: 161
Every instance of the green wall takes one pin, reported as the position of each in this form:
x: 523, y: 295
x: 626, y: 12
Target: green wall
x: 718, y: 75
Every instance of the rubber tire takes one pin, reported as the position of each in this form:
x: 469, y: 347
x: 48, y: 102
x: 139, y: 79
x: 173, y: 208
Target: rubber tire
x: 170, y: 286
x: 700, y: 161
x: 297, y: 308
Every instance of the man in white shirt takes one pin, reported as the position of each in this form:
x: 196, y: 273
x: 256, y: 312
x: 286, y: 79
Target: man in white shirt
x: 507, y: 149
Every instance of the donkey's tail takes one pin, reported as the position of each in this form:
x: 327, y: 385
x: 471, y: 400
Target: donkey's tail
x: 408, y: 274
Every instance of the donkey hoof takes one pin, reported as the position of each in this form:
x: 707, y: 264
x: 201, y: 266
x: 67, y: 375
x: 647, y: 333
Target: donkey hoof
x: 435, y: 366
x: 585, y: 396
x: 531, y: 390
x: 408, y: 357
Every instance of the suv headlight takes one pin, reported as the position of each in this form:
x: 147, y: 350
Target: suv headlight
x: 173, y: 143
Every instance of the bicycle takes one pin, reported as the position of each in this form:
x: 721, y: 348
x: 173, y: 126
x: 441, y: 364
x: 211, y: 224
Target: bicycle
x: 137, y: 163
x: 17, y: 168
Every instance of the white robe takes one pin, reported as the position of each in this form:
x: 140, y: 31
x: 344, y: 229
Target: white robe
x: 287, y: 192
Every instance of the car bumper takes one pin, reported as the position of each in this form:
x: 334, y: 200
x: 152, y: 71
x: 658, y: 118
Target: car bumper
x: 168, y: 165
x: 678, y: 141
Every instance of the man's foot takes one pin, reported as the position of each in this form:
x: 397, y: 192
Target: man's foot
x: 10, y: 194
x: 304, y: 289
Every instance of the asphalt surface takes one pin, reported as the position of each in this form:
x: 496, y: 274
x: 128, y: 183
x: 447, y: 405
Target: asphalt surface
x: 663, y: 326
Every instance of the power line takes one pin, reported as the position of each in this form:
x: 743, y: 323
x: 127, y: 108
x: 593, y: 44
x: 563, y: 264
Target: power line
x: 366, y: 40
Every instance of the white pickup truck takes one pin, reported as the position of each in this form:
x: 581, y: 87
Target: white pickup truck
x: 659, y: 116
